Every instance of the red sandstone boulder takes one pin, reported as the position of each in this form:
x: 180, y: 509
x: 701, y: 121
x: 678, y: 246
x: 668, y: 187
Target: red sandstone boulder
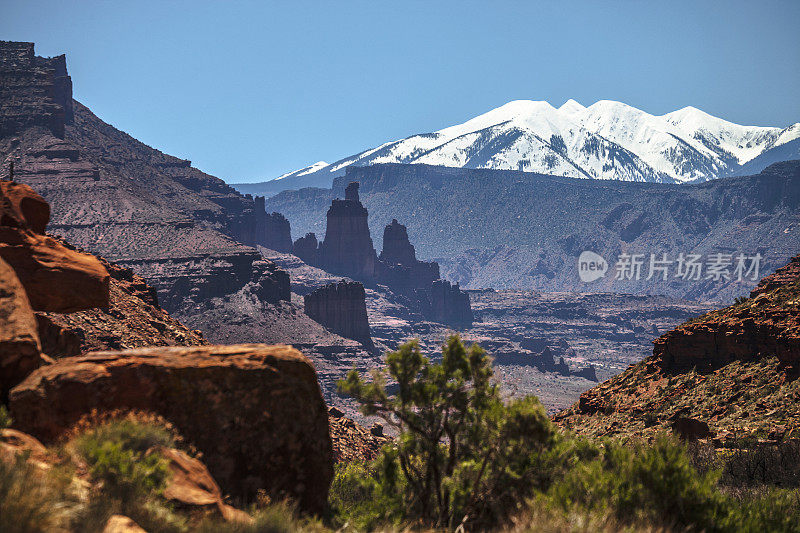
x: 122, y: 524
x: 19, y: 338
x: 192, y: 486
x: 56, y: 278
x: 254, y: 411
x: 14, y: 443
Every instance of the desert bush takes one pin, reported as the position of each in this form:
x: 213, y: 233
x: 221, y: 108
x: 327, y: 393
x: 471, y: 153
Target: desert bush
x: 367, y: 496
x: 645, y: 483
x: 118, y: 455
x: 5, y: 418
x: 770, y: 510
x: 463, y: 455
x: 128, y: 475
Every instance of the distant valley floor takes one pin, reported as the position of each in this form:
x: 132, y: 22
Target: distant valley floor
x: 528, y: 333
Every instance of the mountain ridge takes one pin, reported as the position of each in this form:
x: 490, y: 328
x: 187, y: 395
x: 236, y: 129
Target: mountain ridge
x: 608, y: 140
x: 510, y: 229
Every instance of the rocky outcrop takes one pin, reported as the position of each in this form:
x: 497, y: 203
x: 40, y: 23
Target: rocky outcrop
x: 398, y: 265
x: 347, y: 248
x: 34, y: 91
x: 122, y: 524
x: 766, y: 325
x: 190, y: 486
x: 270, y: 230
x: 55, y: 278
x: 341, y: 308
x: 353, y: 442
x: 132, y: 319
x: 182, y: 230
x: 19, y: 337
x: 307, y: 249
x: 786, y: 275
x: 449, y: 304
x: 731, y: 372
x: 397, y: 249
x: 254, y: 411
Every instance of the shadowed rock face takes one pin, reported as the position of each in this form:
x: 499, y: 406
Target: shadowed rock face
x: 254, y: 411
x: 398, y: 265
x: 19, y: 338
x: 55, y: 278
x: 396, y: 247
x: 449, y: 304
x: 39, y: 87
x: 341, y: 308
x: 347, y: 248
x: 307, y: 249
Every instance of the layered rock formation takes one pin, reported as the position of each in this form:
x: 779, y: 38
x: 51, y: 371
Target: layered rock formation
x: 347, y: 250
x: 397, y: 249
x: 521, y: 230
x: 55, y: 278
x: 734, y: 370
x: 182, y: 230
x: 765, y: 325
x: 254, y: 411
x: 307, y: 249
x: 399, y: 267
x: 448, y: 304
x: 341, y: 308
x: 35, y: 91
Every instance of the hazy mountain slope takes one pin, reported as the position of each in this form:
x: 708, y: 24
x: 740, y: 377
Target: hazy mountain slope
x: 507, y: 229
x: 607, y: 140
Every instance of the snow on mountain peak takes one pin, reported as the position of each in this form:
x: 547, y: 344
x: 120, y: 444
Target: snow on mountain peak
x: 607, y: 140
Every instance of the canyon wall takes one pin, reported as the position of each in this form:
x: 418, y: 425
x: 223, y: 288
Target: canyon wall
x: 347, y: 250
x: 341, y: 308
x: 521, y: 230
x: 187, y: 233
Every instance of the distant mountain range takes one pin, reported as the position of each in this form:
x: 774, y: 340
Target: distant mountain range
x: 607, y: 140
x: 511, y: 229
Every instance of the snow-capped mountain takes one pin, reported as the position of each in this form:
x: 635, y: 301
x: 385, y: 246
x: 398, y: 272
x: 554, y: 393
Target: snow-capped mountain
x: 607, y: 140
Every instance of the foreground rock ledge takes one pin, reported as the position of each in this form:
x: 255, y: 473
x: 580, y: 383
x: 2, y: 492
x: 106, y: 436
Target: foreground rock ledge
x: 254, y: 411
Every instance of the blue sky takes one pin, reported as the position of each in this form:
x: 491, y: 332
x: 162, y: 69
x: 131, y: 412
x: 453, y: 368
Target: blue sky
x: 250, y: 90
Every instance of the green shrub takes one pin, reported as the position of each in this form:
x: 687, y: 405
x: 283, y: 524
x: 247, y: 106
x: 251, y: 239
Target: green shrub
x: 774, y: 510
x: 5, y: 418
x: 117, y: 453
x: 645, y: 483
x: 368, y: 496
x: 129, y: 475
x: 462, y: 454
